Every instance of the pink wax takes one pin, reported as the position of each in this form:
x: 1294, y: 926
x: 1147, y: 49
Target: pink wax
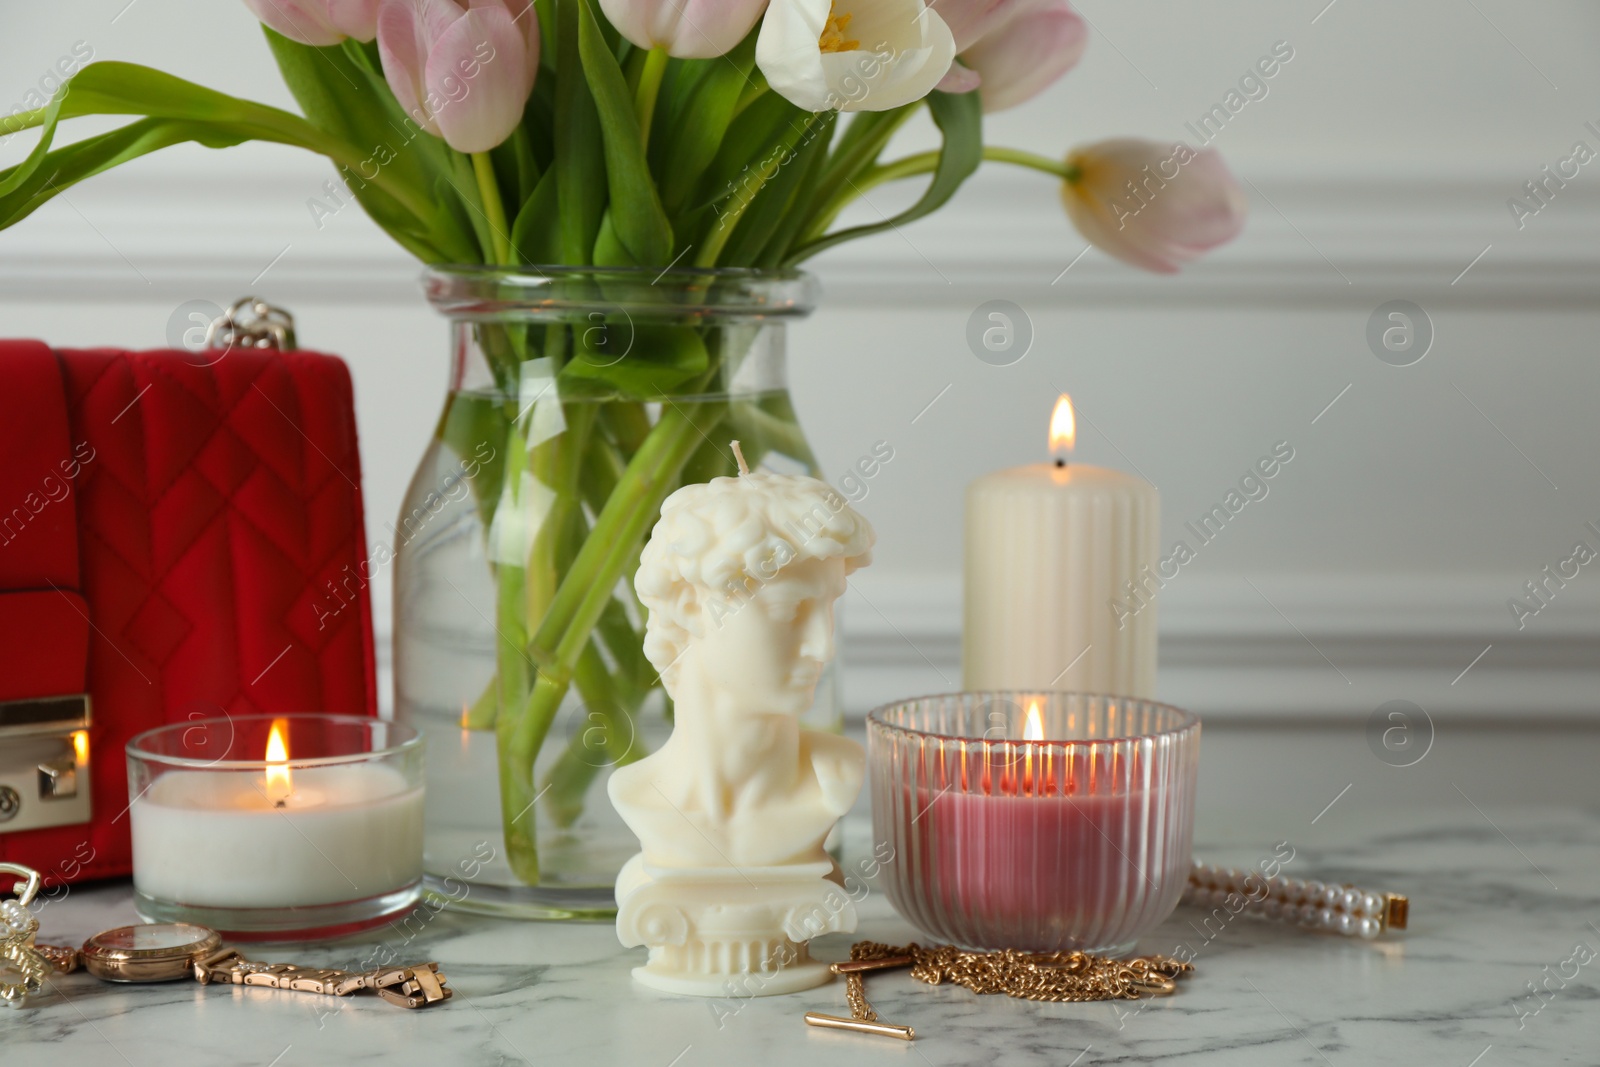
x: 1042, y: 846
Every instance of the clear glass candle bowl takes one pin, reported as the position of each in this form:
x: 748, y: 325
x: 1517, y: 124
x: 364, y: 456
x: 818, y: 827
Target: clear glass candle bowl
x: 277, y: 827
x: 1073, y: 833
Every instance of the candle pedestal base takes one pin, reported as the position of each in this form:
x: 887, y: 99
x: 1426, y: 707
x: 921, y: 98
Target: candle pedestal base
x: 718, y: 932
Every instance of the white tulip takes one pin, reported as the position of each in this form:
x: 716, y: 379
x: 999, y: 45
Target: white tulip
x: 853, y: 55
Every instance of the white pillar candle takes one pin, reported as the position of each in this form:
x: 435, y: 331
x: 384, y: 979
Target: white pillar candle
x: 1053, y: 551
x: 233, y: 839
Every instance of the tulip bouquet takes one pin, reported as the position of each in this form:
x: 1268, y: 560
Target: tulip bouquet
x: 697, y: 135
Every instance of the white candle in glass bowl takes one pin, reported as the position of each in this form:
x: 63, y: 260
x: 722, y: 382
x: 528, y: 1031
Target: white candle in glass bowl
x: 278, y: 837
x: 1051, y: 550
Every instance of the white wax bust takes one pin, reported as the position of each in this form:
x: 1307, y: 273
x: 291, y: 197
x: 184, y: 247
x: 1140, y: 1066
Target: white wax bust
x: 740, y: 578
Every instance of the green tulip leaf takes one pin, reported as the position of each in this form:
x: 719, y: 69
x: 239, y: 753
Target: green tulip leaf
x: 792, y: 218
x: 959, y: 117
x: 345, y: 97
x: 858, y: 147
x: 609, y: 251
x: 694, y: 126
x: 580, y: 163
x: 210, y: 117
x: 643, y: 361
x: 776, y: 204
x: 639, y: 223
x: 759, y: 136
x: 534, y: 235
x: 470, y: 419
x: 27, y: 187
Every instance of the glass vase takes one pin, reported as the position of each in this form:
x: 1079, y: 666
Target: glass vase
x: 578, y: 400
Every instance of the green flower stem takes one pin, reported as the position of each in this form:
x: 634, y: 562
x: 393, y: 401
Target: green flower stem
x: 24, y: 120
x: 926, y: 163
x: 603, y: 466
x: 650, y: 475
x: 555, y: 465
x: 747, y: 192
x: 642, y: 497
x: 515, y: 741
x: 644, y: 100
x: 711, y: 460
x: 525, y: 594
x: 580, y: 600
x: 489, y: 192
x: 365, y: 55
x: 627, y: 649
x: 755, y: 85
x: 771, y: 433
x: 856, y: 153
x: 518, y: 738
x: 629, y: 424
x: 1031, y: 160
x: 543, y: 576
x: 287, y: 128
x: 602, y: 477
x: 580, y: 763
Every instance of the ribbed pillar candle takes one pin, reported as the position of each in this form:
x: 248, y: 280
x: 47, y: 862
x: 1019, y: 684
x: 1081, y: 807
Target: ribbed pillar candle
x: 1060, y: 581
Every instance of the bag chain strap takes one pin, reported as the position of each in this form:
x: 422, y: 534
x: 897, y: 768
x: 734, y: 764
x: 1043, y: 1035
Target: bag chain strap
x: 252, y: 323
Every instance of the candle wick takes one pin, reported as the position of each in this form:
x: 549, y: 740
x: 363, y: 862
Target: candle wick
x: 280, y: 803
x: 738, y: 454
x: 1060, y: 462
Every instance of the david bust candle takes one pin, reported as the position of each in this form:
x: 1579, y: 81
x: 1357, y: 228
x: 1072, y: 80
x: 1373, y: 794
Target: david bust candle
x: 1051, y: 549
x: 733, y: 811
x: 262, y: 826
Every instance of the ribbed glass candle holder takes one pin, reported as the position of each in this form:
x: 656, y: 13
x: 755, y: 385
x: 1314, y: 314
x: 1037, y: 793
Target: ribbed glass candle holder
x: 1037, y: 821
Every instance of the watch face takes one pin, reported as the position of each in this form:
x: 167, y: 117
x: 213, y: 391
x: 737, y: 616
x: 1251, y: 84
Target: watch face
x: 154, y: 937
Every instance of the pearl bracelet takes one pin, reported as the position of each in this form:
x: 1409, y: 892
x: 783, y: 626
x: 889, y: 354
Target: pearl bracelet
x: 1337, y: 909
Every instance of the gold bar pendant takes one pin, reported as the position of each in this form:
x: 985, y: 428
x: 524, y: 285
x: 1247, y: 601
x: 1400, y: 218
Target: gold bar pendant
x: 835, y: 1022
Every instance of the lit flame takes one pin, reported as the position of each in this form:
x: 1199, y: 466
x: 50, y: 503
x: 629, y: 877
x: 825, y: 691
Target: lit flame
x: 80, y: 746
x: 278, y: 781
x: 1033, y: 726
x: 1063, y: 429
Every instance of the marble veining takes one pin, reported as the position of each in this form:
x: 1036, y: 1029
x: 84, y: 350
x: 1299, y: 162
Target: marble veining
x: 1493, y: 905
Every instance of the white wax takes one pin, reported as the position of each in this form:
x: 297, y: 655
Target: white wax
x: 216, y: 839
x: 1048, y: 550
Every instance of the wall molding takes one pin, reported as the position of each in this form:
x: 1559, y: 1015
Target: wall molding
x: 1313, y: 241
x: 1326, y: 648
x: 1343, y: 645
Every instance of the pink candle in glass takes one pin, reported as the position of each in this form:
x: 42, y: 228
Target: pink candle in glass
x: 1043, y: 822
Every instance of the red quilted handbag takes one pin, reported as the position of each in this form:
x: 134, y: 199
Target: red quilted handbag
x: 180, y: 537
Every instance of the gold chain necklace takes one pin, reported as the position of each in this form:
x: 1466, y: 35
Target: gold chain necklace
x: 1049, y: 976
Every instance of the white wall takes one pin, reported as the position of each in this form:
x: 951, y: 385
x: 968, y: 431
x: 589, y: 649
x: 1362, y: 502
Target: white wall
x: 1379, y: 167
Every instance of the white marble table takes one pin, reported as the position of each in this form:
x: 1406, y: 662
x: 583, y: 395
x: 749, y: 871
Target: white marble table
x: 1496, y: 895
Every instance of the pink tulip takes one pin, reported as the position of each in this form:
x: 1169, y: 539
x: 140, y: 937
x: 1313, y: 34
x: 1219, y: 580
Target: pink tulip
x: 319, y: 22
x: 688, y: 29
x: 1153, y: 205
x: 462, y: 69
x: 1011, y: 49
